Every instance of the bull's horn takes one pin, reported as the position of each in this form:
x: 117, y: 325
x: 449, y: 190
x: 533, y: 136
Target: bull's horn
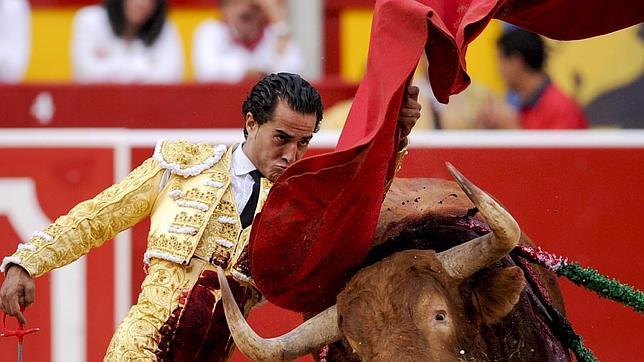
x: 308, y: 337
x: 463, y: 260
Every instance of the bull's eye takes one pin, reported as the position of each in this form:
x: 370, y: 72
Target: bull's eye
x: 440, y: 316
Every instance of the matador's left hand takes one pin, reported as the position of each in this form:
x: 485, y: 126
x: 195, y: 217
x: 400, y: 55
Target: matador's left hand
x: 409, y: 114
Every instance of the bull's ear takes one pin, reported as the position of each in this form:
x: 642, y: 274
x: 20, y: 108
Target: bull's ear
x: 494, y: 296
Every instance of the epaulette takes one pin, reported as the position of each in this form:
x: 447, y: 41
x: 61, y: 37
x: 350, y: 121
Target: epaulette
x: 185, y: 158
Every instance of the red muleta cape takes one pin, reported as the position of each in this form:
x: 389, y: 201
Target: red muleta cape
x: 320, y: 217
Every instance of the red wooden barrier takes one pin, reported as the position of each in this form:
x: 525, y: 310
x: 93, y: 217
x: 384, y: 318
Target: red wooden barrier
x: 576, y: 194
x: 137, y: 106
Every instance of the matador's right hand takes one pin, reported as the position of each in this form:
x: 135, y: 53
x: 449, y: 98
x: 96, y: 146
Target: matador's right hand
x: 17, y: 290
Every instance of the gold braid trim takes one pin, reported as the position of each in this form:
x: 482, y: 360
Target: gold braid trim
x: 187, y: 159
x: 92, y: 222
x: 136, y: 339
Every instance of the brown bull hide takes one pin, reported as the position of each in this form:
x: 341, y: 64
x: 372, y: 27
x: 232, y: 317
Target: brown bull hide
x: 412, y: 205
x: 496, y: 319
x: 408, y: 198
x: 407, y: 308
x: 436, y: 214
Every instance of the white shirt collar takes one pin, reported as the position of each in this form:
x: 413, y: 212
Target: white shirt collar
x: 241, y: 164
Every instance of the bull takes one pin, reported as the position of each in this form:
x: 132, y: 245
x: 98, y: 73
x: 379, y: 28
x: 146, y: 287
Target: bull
x: 441, y: 284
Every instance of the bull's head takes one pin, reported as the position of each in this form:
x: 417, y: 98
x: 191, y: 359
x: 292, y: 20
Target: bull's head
x: 410, y: 306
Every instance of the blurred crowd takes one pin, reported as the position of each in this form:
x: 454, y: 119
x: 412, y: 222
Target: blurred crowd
x: 133, y: 41
x: 533, y: 101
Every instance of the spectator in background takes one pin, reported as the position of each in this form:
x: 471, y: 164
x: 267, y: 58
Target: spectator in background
x: 463, y: 108
x: 542, y: 105
x: 126, y: 41
x: 15, y: 39
x: 252, y: 40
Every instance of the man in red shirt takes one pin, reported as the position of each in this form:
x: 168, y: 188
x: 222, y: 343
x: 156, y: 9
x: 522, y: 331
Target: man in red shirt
x: 542, y: 105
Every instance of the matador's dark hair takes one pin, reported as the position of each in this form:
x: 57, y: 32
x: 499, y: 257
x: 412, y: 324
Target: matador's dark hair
x: 300, y: 96
x: 152, y: 28
x: 527, y: 45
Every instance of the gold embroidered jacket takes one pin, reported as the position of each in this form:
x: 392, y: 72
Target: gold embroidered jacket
x: 182, y: 187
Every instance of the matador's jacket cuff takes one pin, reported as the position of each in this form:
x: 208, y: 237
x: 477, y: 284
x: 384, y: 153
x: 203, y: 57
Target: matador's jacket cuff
x: 92, y: 222
x: 400, y: 156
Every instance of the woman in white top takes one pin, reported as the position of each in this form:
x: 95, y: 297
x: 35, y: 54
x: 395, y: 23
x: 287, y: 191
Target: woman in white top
x: 126, y: 41
x: 252, y: 40
x: 15, y: 39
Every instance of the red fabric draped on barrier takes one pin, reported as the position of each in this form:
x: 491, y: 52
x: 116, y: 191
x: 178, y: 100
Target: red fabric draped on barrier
x: 321, y: 214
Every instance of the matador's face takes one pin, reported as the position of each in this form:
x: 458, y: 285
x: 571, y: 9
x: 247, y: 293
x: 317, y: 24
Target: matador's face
x: 277, y: 143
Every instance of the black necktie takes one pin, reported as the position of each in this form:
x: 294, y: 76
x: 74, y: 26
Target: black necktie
x: 249, y: 210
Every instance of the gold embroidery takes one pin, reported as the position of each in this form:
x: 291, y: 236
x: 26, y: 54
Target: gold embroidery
x: 266, y: 184
x: 219, y: 177
x: 53, y: 230
x: 226, y: 207
x: 178, y: 245
x: 166, y: 287
x: 168, y: 215
x: 176, y: 184
x: 190, y: 220
x: 186, y: 153
x: 208, y: 247
x: 227, y: 231
x: 138, y: 335
x: 92, y: 222
x: 207, y: 197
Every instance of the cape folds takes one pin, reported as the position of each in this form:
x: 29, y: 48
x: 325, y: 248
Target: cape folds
x: 320, y: 217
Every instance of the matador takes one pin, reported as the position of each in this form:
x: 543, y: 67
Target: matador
x: 201, y: 200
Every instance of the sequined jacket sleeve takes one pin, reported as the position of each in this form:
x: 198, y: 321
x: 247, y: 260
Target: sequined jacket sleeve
x: 91, y: 223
